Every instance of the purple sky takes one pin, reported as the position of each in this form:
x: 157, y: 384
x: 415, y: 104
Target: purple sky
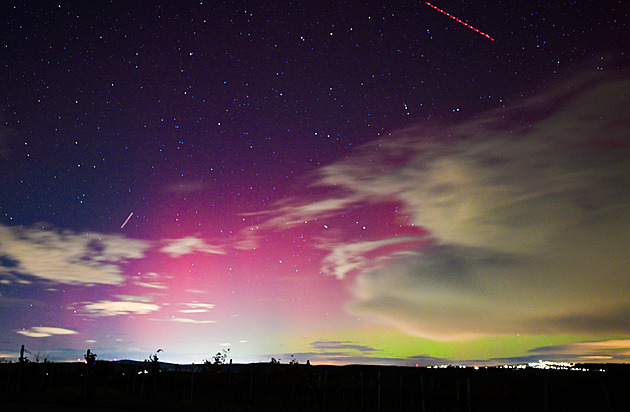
x: 337, y: 182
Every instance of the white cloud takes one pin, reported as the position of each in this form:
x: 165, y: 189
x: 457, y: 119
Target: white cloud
x: 617, y: 350
x: 532, y: 224
x: 151, y: 285
x: 296, y: 214
x: 116, y: 308
x: 45, y: 331
x: 197, y: 291
x: 149, y: 280
x: 200, y: 305
x: 184, y: 246
x: 186, y: 320
x: 354, y: 257
x: 66, y: 256
x: 197, y: 307
x: 131, y: 298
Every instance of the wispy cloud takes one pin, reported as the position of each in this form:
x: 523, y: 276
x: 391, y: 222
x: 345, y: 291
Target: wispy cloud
x: 609, y: 350
x: 197, y: 307
x: 152, y: 285
x: 344, y: 259
x: 342, y: 345
x: 149, y: 280
x: 132, y: 298
x: 533, y: 220
x: 45, y: 331
x: 117, y: 308
x: 188, y: 320
x: 184, y: 246
x: 290, y: 215
x: 66, y: 256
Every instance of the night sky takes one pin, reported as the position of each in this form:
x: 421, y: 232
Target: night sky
x: 344, y: 182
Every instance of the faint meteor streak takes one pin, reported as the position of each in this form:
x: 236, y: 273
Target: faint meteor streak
x: 128, y: 217
x: 455, y: 18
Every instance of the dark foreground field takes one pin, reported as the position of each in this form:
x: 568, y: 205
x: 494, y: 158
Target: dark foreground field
x: 107, y: 386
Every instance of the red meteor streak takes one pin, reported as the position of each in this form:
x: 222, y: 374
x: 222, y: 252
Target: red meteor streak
x: 455, y: 18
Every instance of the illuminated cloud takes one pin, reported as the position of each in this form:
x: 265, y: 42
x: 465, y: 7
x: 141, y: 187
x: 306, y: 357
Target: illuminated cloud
x: 347, y: 258
x: 66, y: 256
x: 531, y: 224
x: 341, y: 345
x: 131, y: 298
x: 196, y: 307
x: 151, y: 285
x: 187, y: 320
x: 617, y: 350
x: 121, y: 307
x: 185, y: 246
x: 45, y: 331
x: 149, y: 280
x: 291, y: 215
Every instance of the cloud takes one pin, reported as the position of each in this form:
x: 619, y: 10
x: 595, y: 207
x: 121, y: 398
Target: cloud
x: 65, y: 256
x: 292, y: 215
x: 342, y: 345
x: 116, y: 308
x: 45, y: 331
x: 151, y: 285
x: 184, y: 246
x: 197, y: 307
x: 149, y: 280
x: 347, y: 258
x: 187, y: 320
x: 530, y: 212
x: 617, y: 350
x: 131, y: 298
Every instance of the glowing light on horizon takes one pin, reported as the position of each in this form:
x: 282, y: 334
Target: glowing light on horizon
x: 458, y: 20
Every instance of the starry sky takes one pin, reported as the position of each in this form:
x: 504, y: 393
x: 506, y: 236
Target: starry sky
x: 346, y: 182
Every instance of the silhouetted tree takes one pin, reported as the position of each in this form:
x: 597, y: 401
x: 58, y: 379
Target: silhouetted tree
x: 90, y: 357
x: 214, y: 364
x: 152, y: 365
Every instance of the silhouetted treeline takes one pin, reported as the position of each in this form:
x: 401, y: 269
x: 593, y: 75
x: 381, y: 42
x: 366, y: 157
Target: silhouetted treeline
x: 160, y: 386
